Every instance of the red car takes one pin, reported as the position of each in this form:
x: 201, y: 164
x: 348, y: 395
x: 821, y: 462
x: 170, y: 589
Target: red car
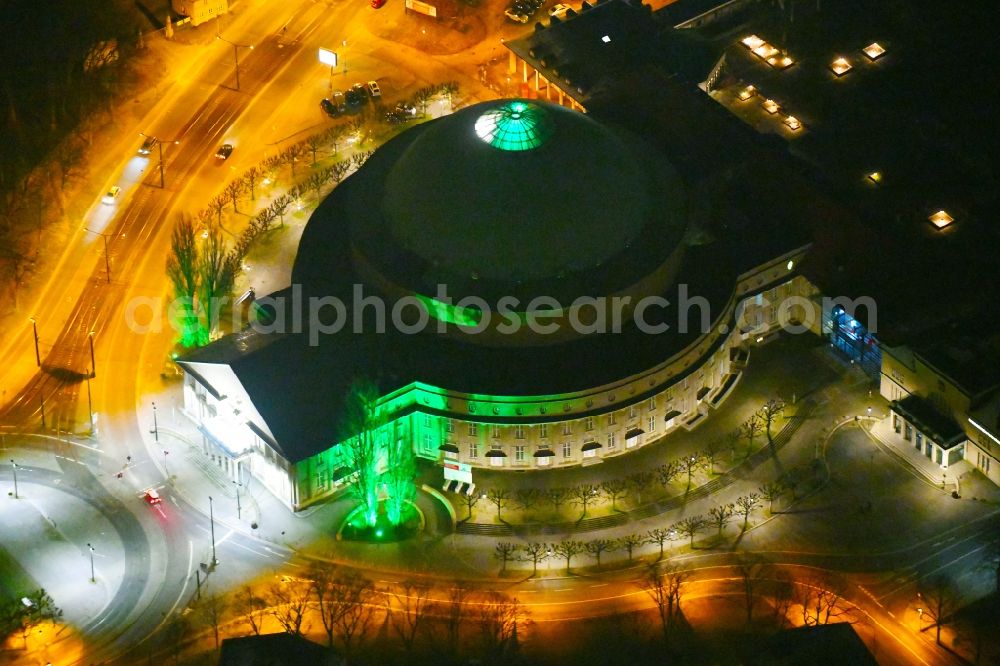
x: 152, y: 497
x: 377, y: 3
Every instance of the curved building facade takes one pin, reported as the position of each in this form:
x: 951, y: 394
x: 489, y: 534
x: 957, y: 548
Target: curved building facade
x: 529, y: 287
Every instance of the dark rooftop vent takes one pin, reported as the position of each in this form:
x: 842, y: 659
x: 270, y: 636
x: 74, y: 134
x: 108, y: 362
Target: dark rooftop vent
x: 585, y: 6
x: 570, y: 13
x: 554, y: 20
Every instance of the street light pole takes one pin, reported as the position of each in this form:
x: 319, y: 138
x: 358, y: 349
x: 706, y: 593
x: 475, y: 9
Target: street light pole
x: 93, y: 578
x: 211, y: 518
x: 14, y: 467
x: 34, y: 330
x: 239, y: 509
x: 90, y: 336
x: 159, y: 148
x: 90, y: 407
x: 236, y: 55
x: 156, y: 429
x: 107, y: 264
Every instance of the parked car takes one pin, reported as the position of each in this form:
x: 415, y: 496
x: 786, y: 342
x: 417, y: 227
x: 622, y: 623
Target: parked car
x: 112, y: 194
x: 559, y: 11
x: 224, y: 151
x: 355, y: 96
x: 374, y: 90
x: 377, y: 3
x: 515, y: 16
x: 147, y: 146
x: 362, y: 90
x: 329, y: 108
x: 338, y: 101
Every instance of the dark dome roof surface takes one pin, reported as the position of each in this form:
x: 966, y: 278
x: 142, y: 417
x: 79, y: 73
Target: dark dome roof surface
x: 514, y: 191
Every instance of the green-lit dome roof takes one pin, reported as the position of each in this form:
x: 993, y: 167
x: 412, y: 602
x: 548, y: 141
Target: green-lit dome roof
x: 515, y: 125
x: 515, y: 191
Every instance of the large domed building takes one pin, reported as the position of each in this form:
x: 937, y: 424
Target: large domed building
x: 528, y: 286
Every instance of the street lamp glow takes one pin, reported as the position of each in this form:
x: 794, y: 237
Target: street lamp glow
x: 328, y: 57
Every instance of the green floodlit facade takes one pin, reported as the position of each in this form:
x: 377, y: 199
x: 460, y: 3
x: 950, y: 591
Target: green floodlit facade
x: 514, y: 126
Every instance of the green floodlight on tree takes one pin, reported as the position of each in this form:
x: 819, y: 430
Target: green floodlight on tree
x: 514, y: 126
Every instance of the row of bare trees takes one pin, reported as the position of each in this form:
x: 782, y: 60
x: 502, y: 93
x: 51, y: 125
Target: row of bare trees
x: 636, y: 485
x: 351, y: 610
x: 718, y: 517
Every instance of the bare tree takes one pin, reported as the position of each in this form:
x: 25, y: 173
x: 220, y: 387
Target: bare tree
x: 746, y: 504
x: 527, y: 498
x: 289, y: 603
x: 504, y: 552
x: 217, y: 205
x: 733, y: 439
x: 690, y: 527
x: 359, y: 128
x: 822, y: 600
x: 665, y: 586
x: 691, y: 464
x: 585, y: 495
x: 499, y: 497
x: 720, y: 515
x: 280, y: 206
x: 753, y: 576
x: 314, y: 142
x: 292, y: 154
x: 769, y: 413
x: 211, y: 609
x: 323, y: 579
x: 499, y: 616
x: 751, y: 428
x: 667, y: 472
x: 232, y: 192
x: 940, y: 601
x: 250, y: 178
x: 660, y: 536
x: 411, y: 612
x: 456, y: 611
x: 534, y: 552
x: 250, y: 608
x: 359, y: 602
x: 336, y: 134
x: 558, y: 496
x: 771, y: 491
x: 640, y: 482
x: 630, y: 542
x: 596, y: 547
x: 711, y: 455
x: 470, y: 500
x: 614, y: 489
x: 567, y: 549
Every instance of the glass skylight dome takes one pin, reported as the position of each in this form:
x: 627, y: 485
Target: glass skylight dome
x: 515, y: 126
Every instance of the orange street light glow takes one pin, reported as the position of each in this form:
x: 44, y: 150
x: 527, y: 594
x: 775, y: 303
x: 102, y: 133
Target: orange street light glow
x: 793, y: 123
x: 747, y: 93
x: 770, y: 106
